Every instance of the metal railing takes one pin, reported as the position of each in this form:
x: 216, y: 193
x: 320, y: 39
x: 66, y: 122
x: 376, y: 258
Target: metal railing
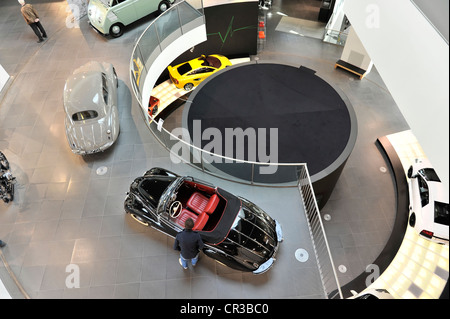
x: 327, y: 270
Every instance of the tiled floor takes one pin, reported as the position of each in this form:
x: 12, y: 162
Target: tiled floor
x: 66, y: 214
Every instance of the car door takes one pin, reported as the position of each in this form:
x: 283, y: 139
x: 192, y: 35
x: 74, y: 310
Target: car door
x: 125, y: 11
x: 145, y: 7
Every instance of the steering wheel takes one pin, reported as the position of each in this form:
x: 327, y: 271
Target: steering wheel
x: 175, y: 209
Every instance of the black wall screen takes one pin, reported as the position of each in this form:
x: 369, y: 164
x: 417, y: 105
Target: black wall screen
x: 232, y: 29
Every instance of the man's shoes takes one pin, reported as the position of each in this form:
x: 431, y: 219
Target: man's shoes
x: 40, y: 40
x: 2, y: 244
x: 179, y: 260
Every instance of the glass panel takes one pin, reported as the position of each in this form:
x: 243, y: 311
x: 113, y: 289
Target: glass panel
x: 188, y: 13
x: 166, y: 24
x: 148, y: 43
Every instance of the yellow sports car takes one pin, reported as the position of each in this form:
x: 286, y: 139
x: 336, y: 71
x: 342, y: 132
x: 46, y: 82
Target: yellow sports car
x: 189, y: 74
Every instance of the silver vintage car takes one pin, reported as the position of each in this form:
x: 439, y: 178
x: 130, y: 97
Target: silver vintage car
x: 90, y: 103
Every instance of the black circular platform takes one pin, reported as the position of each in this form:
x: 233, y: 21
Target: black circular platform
x: 315, y: 122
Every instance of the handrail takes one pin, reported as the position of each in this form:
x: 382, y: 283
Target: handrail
x: 318, y: 236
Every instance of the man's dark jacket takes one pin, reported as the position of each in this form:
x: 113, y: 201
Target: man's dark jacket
x: 189, y: 243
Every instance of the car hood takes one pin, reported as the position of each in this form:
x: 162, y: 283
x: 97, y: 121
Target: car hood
x: 151, y: 188
x: 97, y: 8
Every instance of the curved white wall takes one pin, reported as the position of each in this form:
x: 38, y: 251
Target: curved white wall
x: 413, y: 60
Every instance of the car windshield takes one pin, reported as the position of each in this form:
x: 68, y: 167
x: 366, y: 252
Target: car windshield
x: 441, y: 213
x: 429, y: 174
x: 184, y: 68
x: 84, y: 115
x: 115, y: 2
x: 423, y: 190
x: 166, y: 195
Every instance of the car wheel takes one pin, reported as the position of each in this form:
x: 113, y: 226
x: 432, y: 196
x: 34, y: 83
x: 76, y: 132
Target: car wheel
x: 155, y: 110
x: 412, y: 220
x: 116, y: 30
x: 188, y: 86
x: 163, y: 6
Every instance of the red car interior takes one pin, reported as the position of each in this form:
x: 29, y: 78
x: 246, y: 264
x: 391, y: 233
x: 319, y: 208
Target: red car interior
x: 197, y: 202
x: 201, y: 208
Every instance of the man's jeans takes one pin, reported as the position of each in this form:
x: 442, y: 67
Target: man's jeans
x: 184, y: 262
x: 38, y: 29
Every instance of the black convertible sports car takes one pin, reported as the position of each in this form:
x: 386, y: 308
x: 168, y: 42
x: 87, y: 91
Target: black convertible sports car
x: 235, y: 231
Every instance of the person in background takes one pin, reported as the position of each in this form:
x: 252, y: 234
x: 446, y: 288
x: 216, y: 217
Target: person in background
x: 189, y: 243
x: 32, y: 19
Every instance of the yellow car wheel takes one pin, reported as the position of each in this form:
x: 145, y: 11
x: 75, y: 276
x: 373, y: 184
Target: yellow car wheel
x: 188, y: 86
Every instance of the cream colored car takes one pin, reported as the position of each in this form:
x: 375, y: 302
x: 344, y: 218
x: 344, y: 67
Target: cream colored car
x: 111, y: 16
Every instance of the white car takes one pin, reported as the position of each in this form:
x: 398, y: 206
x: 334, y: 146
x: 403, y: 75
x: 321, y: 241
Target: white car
x: 90, y: 103
x: 428, y: 202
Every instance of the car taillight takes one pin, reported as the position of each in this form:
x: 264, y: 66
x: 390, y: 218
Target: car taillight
x: 175, y: 81
x: 427, y: 233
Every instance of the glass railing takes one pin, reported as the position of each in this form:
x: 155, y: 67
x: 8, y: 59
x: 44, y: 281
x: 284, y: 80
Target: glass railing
x: 238, y: 170
x: 179, y: 19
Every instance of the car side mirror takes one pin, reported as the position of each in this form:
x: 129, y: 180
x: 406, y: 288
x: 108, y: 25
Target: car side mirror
x: 409, y: 174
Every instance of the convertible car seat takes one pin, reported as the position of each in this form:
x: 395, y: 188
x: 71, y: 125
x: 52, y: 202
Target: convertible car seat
x: 201, y: 221
x: 212, y: 204
x: 200, y: 203
x: 185, y: 214
x: 197, y: 202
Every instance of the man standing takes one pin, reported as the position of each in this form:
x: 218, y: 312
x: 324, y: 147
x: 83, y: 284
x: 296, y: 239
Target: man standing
x: 32, y: 19
x: 189, y: 243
